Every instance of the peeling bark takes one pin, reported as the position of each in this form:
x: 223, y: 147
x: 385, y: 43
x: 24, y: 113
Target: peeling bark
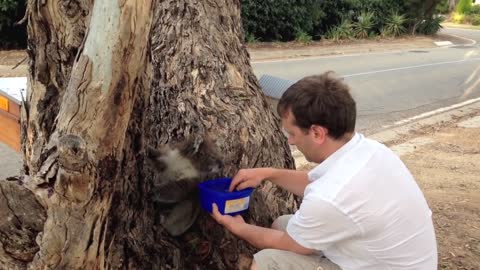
x: 22, y: 220
x: 56, y: 30
x: 109, y: 79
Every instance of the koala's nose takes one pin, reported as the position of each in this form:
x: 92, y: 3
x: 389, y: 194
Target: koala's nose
x: 217, y: 167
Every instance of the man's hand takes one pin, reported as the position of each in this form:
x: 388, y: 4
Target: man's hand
x: 229, y: 222
x: 246, y: 178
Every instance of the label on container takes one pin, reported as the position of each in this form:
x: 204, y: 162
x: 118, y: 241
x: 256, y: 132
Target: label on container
x: 237, y: 205
x: 3, y: 103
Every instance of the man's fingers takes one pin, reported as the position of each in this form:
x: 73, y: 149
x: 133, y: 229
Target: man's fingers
x: 232, y: 186
x: 215, y: 209
x: 215, y: 213
x: 235, y: 181
x: 242, y: 186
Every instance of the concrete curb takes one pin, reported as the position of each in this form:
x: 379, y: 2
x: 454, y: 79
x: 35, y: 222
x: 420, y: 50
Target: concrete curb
x: 472, y: 42
x: 396, y: 132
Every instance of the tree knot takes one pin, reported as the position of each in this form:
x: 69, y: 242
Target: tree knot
x: 72, y: 152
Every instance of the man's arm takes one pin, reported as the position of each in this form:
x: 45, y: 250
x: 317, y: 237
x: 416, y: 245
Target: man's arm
x: 291, y: 180
x: 263, y: 238
x: 258, y: 236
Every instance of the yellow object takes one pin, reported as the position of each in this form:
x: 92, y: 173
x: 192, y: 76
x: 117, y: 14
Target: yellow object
x: 3, y: 103
x: 458, y: 18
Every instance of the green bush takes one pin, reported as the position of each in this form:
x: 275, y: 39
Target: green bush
x: 475, y: 10
x: 280, y: 19
x: 430, y: 26
x: 395, y: 25
x: 12, y: 36
x: 341, y: 32
x: 283, y: 20
x: 364, y: 25
x: 475, y: 19
x: 333, y: 13
x: 7, y: 7
x: 442, y: 7
x: 464, y: 6
x: 418, y: 11
x: 250, y: 38
x: 378, y: 7
x: 303, y: 37
x: 472, y: 18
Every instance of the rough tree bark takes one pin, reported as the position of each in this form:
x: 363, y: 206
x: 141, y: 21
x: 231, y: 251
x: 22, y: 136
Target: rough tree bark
x: 108, y: 78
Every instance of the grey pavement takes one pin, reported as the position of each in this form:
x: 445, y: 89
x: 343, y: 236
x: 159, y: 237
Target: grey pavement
x: 10, y: 161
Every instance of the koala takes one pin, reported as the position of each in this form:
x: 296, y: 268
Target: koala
x: 178, y: 169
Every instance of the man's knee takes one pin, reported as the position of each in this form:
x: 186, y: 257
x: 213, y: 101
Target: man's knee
x: 275, y: 225
x: 265, y: 258
x: 281, y: 223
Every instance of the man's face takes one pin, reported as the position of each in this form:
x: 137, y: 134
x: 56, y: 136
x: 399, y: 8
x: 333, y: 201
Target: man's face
x: 297, y: 136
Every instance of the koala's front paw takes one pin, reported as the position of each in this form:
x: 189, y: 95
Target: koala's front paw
x: 182, y: 217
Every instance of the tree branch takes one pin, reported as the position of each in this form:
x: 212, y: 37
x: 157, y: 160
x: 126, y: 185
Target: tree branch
x: 24, y: 19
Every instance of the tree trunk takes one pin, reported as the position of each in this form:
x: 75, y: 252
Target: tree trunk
x: 452, y: 4
x: 107, y: 79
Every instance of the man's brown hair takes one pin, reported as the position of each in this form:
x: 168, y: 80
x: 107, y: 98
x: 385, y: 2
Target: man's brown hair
x: 322, y: 100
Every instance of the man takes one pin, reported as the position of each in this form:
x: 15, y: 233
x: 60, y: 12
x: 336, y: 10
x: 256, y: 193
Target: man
x: 361, y: 207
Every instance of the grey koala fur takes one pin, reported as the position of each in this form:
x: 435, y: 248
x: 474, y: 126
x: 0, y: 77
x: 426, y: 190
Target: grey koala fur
x: 178, y: 169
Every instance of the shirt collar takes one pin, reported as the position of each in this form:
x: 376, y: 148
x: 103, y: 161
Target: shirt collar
x: 323, y: 167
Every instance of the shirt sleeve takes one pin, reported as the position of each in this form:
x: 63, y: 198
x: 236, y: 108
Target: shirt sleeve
x: 319, y: 224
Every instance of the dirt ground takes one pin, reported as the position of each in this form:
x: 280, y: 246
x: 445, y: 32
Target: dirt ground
x: 10, y: 58
x: 448, y: 172
x: 276, y: 50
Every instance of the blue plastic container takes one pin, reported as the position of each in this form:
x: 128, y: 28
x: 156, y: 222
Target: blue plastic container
x: 216, y: 191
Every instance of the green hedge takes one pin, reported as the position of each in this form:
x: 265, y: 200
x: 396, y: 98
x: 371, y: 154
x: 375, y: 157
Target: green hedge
x: 280, y: 19
x: 464, y: 6
x: 12, y: 36
x: 283, y: 20
x: 382, y: 9
x: 475, y: 10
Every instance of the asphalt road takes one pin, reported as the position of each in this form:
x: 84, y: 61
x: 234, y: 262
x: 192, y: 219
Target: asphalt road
x: 394, y: 86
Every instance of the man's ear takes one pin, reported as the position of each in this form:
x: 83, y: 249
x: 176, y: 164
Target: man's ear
x: 319, y: 133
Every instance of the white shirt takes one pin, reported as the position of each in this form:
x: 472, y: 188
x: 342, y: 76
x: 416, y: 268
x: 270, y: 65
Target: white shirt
x: 364, y: 210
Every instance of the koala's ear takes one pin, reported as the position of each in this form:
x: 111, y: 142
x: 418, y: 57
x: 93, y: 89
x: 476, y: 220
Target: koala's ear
x: 152, y: 153
x: 154, y: 161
